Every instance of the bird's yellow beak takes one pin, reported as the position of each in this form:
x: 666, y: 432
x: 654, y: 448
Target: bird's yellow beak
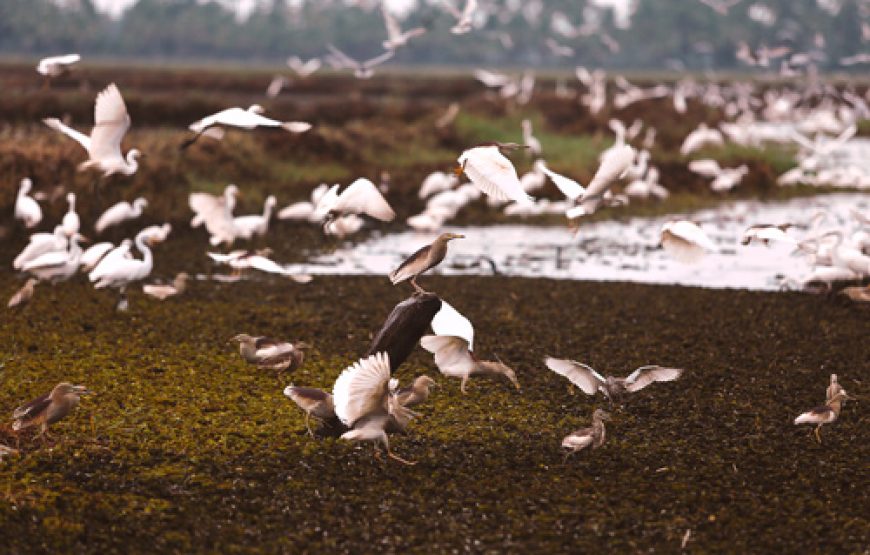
x: 458, y: 171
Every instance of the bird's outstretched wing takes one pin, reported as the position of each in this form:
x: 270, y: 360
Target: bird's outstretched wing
x: 570, y: 188
x: 361, y: 388
x: 493, y: 174
x: 111, y: 122
x: 646, y: 375
x: 363, y: 197
x: 581, y: 375
x: 451, y: 354
x: 449, y: 321
x: 79, y: 137
x: 32, y: 409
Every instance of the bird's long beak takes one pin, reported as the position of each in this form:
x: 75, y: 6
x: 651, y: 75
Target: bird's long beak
x: 458, y: 171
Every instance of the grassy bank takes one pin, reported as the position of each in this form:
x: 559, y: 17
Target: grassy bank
x: 185, y: 449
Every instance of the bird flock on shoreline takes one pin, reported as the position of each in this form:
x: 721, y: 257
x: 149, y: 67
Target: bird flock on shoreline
x: 366, y: 403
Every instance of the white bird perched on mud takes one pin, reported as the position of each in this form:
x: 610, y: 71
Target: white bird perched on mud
x: 119, y: 213
x: 256, y: 224
x: 26, y: 208
x: 55, y: 66
x: 163, y: 292
x: 436, y: 182
x: 701, y: 137
x: 111, y: 122
x: 23, y: 295
x: 363, y: 403
x: 591, y: 382
x: 685, y: 241
x: 303, y: 69
x: 315, y: 402
x: 584, y: 437
x: 361, y: 70
x: 360, y: 197
x: 41, y: 243
x: 242, y: 119
x: 424, y: 259
x: 825, y: 414
x: 58, y: 265
x: 119, y: 271
x: 464, y: 19
x: 529, y: 138
x: 767, y: 234
x: 304, y: 210
x: 452, y: 346
x: 71, y: 222
x: 724, y: 179
x: 491, y: 172
x: 395, y: 36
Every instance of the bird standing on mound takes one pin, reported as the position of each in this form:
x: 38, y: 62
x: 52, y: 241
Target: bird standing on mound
x: 584, y: 437
x: 424, y: 259
x: 315, y: 402
x: 48, y: 409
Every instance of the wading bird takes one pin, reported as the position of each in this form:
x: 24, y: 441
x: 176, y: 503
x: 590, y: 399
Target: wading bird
x: 360, y: 197
x: 48, y: 409
x: 825, y: 414
x: 119, y: 271
x: 685, y: 240
x: 591, y: 382
x: 111, y: 123
x: 26, y: 208
x: 241, y: 119
x: 767, y: 234
x: 163, y: 292
x: 71, y: 222
x: 464, y: 18
x: 363, y: 403
x: 416, y: 393
x: 423, y: 260
x: 315, y: 402
x: 492, y: 172
x: 395, y: 36
x: 119, y: 213
x: 303, y: 69
x: 584, y: 437
x: 255, y: 224
x: 270, y: 354
x: 41, y: 243
x: 58, y: 265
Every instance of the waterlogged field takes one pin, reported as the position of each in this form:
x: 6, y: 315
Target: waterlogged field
x: 184, y: 448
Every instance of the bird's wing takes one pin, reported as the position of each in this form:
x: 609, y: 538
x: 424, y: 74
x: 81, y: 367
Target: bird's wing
x: 581, y: 375
x: 80, y: 138
x: 491, y: 79
x: 114, y: 214
x: 111, y: 122
x: 361, y: 388
x: 265, y: 265
x: 493, y: 174
x: 378, y: 60
x: 296, y: 211
x: 448, y: 321
x: 470, y: 7
x: 342, y: 58
x: 451, y: 354
x: 411, y: 265
x: 394, y: 31
x: 326, y: 203
x: 33, y: 408
x: 614, y: 165
x: 690, y: 232
x: 363, y: 197
x: 646, y: 375
x: 705, y: 167
x: 847, y: 134
x: 570, y: 188
x: 47, y: 260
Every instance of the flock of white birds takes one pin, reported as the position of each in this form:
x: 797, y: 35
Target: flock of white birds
x: 815, y: 118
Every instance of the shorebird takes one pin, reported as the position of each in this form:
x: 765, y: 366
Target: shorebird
x: 584, y: 437
x: 255, y: 224
x: 685, y: 240
x: 58, y: 265
x: 315, y: 402
x: 360, y: 197
x: 363, y: 403
x: 163, y: 292
x: 825, y: 414
x: 26, y: 208
x: 93, y: 254
x: 415, y: 393
x: 270, y: 354
x: 23, y: 295
x: 41, y: 243
x: 111, y: 122
x: 424, y: 259
x: 591, y: 382
x: 118, y: 271
x: 119, y: 213
x: 48, y: 409
x: 492, y: 172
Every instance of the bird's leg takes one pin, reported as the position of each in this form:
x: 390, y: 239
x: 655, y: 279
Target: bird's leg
x: 818, y: 434
x: 378, y: 456
x: 400, y: 459
x: 307, y: 423
x: 567, y: 454
x: 417, y: 288
x: 462, y: 385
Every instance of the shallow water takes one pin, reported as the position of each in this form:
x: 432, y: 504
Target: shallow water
x: 613, y: 250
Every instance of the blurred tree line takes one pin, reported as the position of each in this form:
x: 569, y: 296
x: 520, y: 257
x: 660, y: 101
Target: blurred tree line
x: 663, y: 33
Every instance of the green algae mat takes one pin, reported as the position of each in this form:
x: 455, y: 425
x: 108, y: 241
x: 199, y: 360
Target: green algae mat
x: 184, y: 448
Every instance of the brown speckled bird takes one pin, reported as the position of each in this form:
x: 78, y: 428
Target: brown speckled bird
x: 48, y: 409
x: 825, y: 414
x: 315, y: 402
x: 415, y: 393
x: 270, y: 354
x: 584, y: 437
x: 424, y: 259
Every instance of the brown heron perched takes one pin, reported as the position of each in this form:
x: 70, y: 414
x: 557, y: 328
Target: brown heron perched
x: 825, y: 414
x: 834, y: 388
x: 364, y: 404
x: 270, y: 354
x: 591, y: 382
x: 584, y: 437
x: 315, y: 402
x: 415, y: 393
x: 424, y: 259
x: 48, y: 409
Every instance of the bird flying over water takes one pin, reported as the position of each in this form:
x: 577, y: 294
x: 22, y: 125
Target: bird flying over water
x: 492, y: 172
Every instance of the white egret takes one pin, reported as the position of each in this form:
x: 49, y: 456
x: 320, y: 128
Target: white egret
x: 93, y: 254
x: 395, y: 36
x: 119, y: 213
x: 242, y: 119
x: 256, y: 224
x: 303, y: 69
x: 71, y: 222
x: 360, y: 197
x: 363, y: 403
x: 701, y: 137
x: 26, y: 208
x: 55, y: 66
x: 436, y: 182
x: 111, y: 122
x: 118, y: 272
x: 464, y: 19
x: 685, y: 240
x: 41, y: 243
x: 491, y: 172
x: 58, y: 265
x: 767, y: 234
x: 529, y: 138
x: 361, y: 70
